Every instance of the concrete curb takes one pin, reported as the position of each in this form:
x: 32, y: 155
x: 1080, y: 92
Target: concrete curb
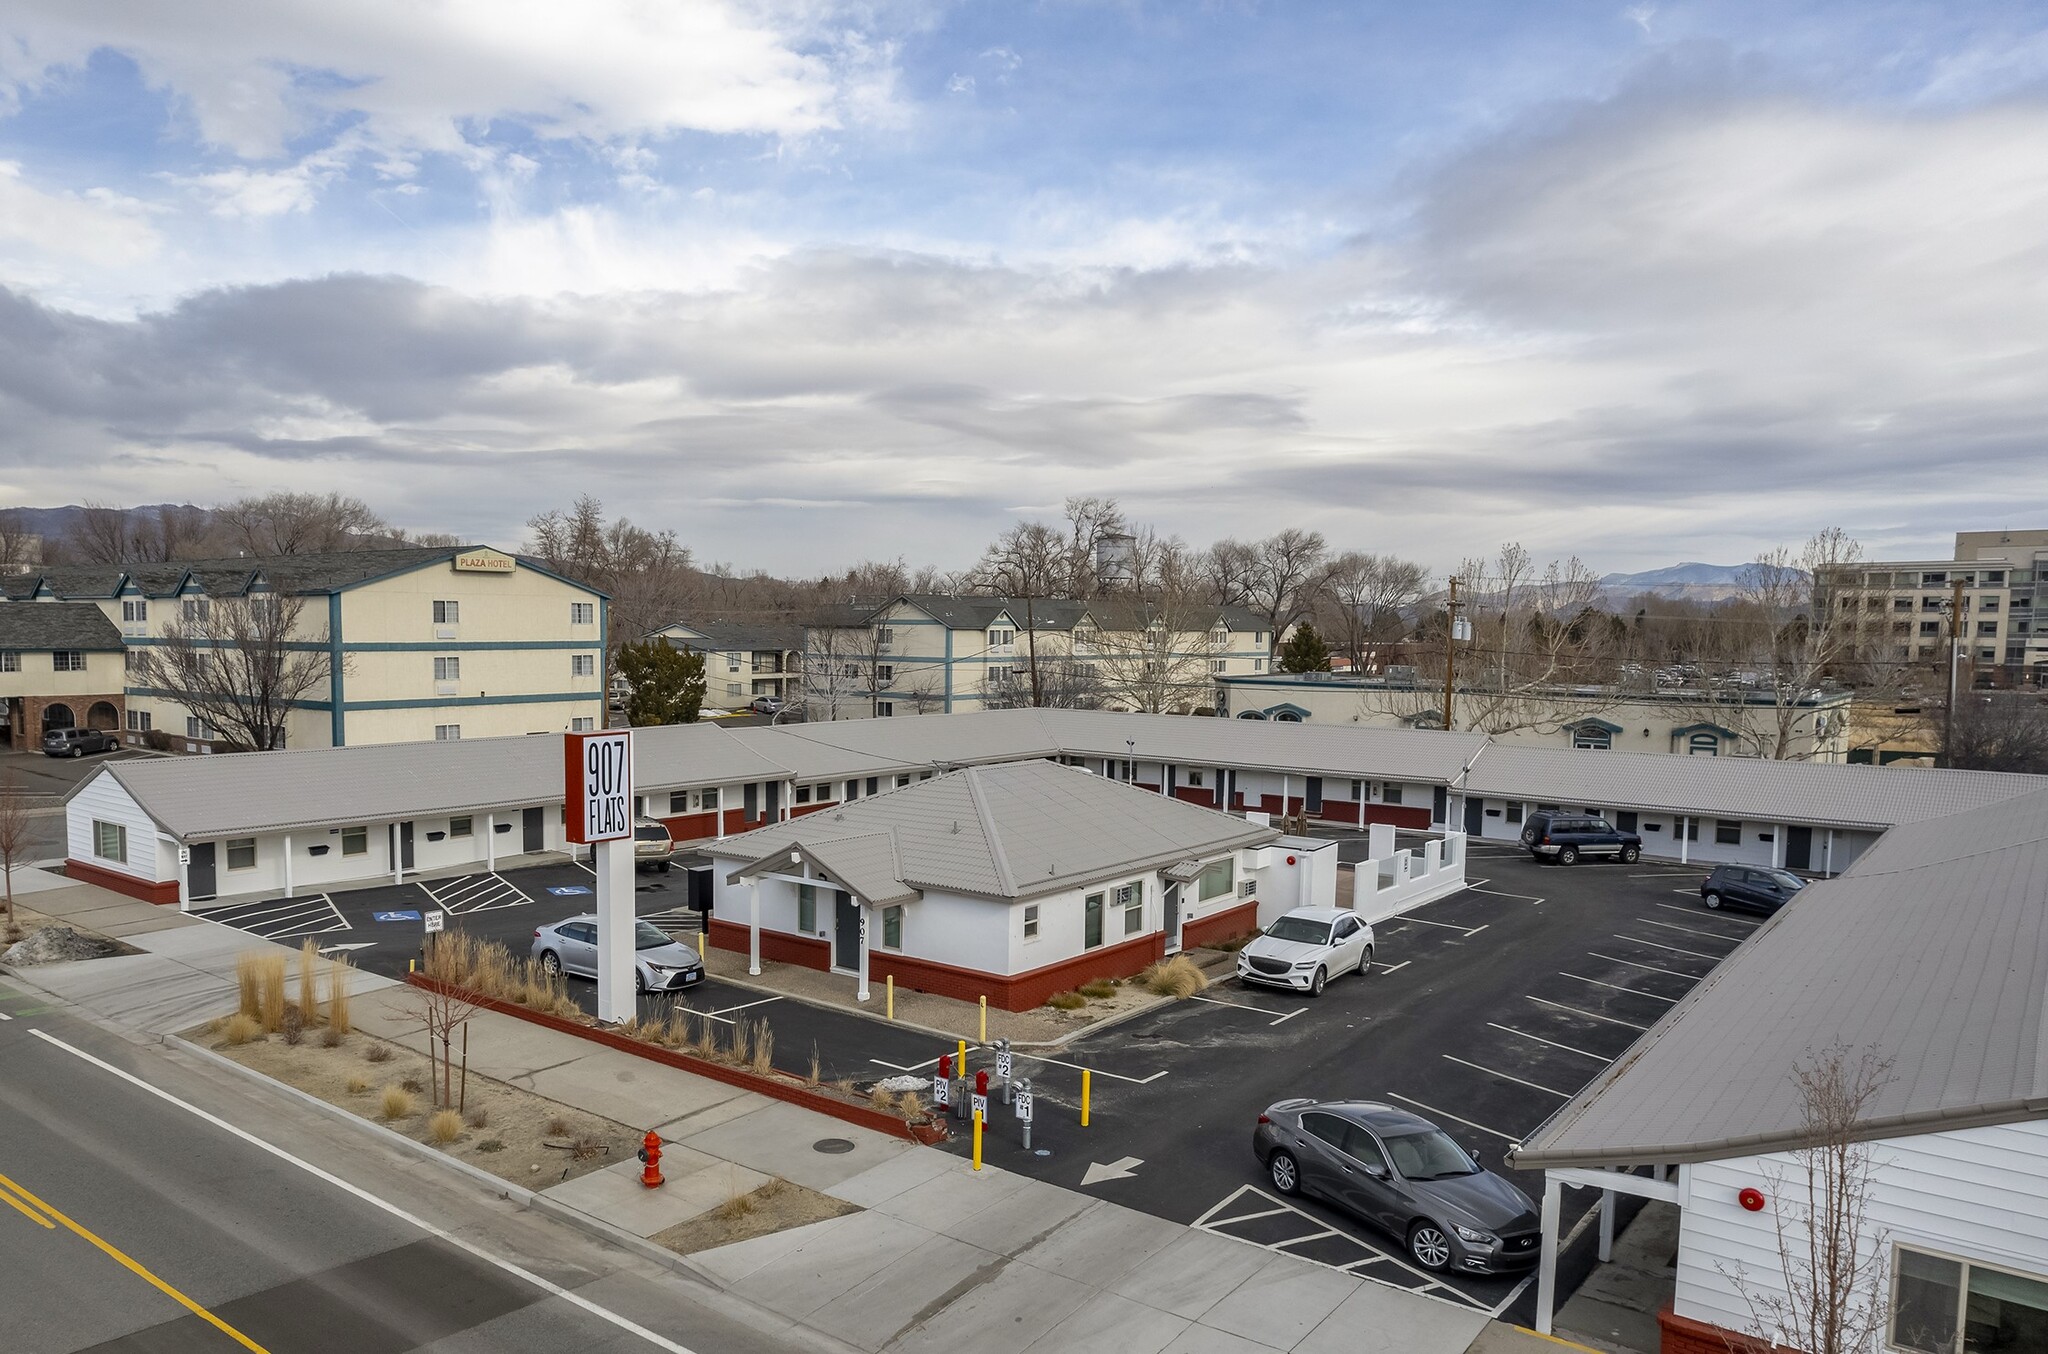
x: 497, y: 1185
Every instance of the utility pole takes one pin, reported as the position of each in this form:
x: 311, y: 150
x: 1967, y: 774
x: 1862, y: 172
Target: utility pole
x: 1955, y: 660
x: 1451, y: 608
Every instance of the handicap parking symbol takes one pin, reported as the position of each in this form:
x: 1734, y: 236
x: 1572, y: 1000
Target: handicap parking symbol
x: 395, y: 916
x: 566, y: 890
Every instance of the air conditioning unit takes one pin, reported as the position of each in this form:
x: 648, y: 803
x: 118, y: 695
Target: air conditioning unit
x: 444, y: 632
x: 1248, y: 888
x: 446, y: 688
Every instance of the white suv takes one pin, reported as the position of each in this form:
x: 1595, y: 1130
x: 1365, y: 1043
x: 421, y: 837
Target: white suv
x: 1306, y: 948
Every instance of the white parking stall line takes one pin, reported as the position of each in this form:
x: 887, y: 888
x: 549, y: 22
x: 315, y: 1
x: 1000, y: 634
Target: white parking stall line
x: 1690, y: 930
x: 1509, y: 1138
x: 899, y: 1067
x: 1390, y: 968
x: 1694, y: 912
x: 1448, y: 926
x: 1505, y: 1076
x: 1552, y: 1043
x: 1209, y: 1221
x: 1284, y: 1019
x: 1652, y: 968
x: 743, y: 1006
x: 1429, y: 1286
x: 1218, y: 1001
x: 1097, y: 1071
x: 1304, y: 1240
x: 1558, y: 1005
x: 1616, y: 987
x: 1687, y: 893
x: 1660, y: 945
x: 315, y: 915
x: 1473, y: 886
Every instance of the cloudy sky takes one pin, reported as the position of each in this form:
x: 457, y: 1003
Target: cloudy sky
x: 810, y: 281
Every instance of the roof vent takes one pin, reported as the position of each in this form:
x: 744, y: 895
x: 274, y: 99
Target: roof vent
x: 839, y: 817
x: 956, y: 827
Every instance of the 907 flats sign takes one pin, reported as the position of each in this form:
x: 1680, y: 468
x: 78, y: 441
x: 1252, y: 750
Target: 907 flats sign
x: 597, y: 786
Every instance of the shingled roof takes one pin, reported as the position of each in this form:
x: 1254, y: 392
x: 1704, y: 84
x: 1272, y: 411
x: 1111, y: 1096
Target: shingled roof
x: 57, y: 625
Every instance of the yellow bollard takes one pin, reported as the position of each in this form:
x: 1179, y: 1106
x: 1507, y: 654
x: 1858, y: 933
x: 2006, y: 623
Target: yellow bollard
x: 1084, y: 1097
x: 977, y: 1142
x: 984, y: 1020
x: 891, y: 981
x: 961, y: 1066
x: 700, y: 947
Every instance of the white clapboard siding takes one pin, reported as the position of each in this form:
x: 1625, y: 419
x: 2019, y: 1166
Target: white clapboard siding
x: 104, y: 800
x: 1979, y: 1193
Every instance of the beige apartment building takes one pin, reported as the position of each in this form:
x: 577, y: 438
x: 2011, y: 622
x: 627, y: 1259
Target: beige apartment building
x: 930, y: 654
x: 1902, y: 607
x: 742, y: 662
x: 418, y: 643
x: 62, y: 665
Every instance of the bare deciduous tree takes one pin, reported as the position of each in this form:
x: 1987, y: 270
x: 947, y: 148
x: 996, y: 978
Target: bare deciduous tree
x: 99, y: 535
x: 443, y: 1009
x: 15, y: 824
x: 1833, y: 1294
x: 1997, y: 731
x: 241, y: 665
x: 647, y: 574
x: 1277, y: 577
x: 1366, y: 596
x: 20, y: 548
x: 300, y: 524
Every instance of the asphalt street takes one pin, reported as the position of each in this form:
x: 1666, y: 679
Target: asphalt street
x: 131, y: 1223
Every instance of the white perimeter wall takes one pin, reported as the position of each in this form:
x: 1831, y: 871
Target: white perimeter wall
x: 1977, y: 1194
x: 104, y: 800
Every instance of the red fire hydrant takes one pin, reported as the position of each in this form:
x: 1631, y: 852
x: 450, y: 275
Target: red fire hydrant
x: 650, y: 1152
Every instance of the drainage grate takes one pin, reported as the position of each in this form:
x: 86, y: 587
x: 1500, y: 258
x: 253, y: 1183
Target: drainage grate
x: 833, y: 1147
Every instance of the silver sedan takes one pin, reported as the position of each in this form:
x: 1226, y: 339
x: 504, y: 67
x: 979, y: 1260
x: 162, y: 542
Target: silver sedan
x: 659, y: 963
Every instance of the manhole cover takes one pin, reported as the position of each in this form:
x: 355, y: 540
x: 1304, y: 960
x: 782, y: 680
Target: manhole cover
x: 833, y: 1146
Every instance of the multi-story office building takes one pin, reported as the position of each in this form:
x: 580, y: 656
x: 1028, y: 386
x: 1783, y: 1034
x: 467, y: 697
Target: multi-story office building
x: 931, y: 654
x: 1901, y: 609
x: 742, y: 662
x: 419, y: 643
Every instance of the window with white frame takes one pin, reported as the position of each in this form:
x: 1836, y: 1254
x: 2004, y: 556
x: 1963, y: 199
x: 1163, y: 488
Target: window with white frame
x: 139, y: 721
x: 1002, y: 675
x: 885, y: 673
x: 1031, y: 921
x: 461, y: 827
x: 583, y: 665
x: 803, y: 794
x: 447, y: 733
x: 1941, y: 1304
x: 67, y: 660
x: 110, y: 841
x: 196, y: 609
x: 582, y: 724
x: 10, y: 660
x: 1131, y: 898
x: 892, y: 927
x: 734, y: 690
x: 1258, y: 665
x: 807, y: 909
x: 1219, y: 664
x: 448, y: 669
x: 447, y: 613
x: 885, y: 635
x: 1002, y: 639
x: 196, y: 727
x: 732, y: 662
x: 1217, y: 879
x: 355, y: 841
x: 582, y: 613
x: 242, y: 853
x: 135, y: 612
x: 1091, y: 921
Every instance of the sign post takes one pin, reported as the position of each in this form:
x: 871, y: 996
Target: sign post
x: 597, y: 793
x: 1003, y: 1066
x: 1024, y: 1110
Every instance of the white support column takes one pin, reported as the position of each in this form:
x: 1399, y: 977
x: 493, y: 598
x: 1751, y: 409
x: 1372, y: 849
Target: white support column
x: 1684, y: 839
x: 1778, y: 846
x: 491, y: 842
x: 1606, y: 1225
x: 789, y: 801
x: 1283, y: 798
x: 183, y: 855
x: 861, y: 992
x: 754, y: 927
x: 613, y: 863
x: 1361, y: 805
x: 287, y: 864
x: 1546, y: 1265
x: 397, y: 860
x: 1827, y: 859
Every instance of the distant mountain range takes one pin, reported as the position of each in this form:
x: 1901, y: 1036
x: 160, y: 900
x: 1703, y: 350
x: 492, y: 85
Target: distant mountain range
x: 1693, y: 580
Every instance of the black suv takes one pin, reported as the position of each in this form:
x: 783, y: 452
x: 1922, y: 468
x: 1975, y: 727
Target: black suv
x: 1749, y: 886
x: 1564, y: 837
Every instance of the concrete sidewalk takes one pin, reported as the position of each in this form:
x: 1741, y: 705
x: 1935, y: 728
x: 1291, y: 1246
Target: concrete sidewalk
x: 939, y: 1257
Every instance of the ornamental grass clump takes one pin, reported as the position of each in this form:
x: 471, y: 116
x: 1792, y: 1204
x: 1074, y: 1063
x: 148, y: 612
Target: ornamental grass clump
x: 1179, y: 977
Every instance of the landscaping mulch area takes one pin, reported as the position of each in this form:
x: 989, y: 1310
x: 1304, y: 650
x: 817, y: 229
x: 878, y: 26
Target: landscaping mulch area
x: 524, y: 1138
x: 45, y: 940
x: 775, y: 1207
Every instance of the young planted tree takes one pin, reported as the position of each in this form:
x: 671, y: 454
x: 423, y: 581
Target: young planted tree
x: 1832, y: 1294
x: 667, y: 682
x: 14, y: 833
x: 1304, y: 651
x: 241, y: 665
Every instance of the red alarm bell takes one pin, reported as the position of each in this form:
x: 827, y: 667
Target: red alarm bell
x: 1752, y: 1199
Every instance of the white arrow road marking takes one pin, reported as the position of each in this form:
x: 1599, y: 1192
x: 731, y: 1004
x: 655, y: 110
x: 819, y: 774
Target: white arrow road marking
x: 1121, y: 1169
x: 352, y: 945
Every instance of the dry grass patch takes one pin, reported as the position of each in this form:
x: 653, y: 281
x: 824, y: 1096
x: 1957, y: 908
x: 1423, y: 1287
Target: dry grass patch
x: 395, y: 1103
x: 445, y: 1127
x: 1066, y: 1001
x: 775, y: 1207
x: 356, y: 1086
x: 239, y: 1029
x: 337, y: 996
x: 1101, y: 989
x: 1178, y: 977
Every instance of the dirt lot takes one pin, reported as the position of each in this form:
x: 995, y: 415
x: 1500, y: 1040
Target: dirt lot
x: 774, y: 1207
x: 523, y: 1137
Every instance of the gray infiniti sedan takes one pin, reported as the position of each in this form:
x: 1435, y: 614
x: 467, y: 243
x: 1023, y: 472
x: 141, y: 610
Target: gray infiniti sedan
x: 1401, y: 1173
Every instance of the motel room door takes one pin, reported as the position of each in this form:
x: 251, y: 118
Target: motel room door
x: 1172, y: 921
x: 199, y: 877
x: 846, y: 933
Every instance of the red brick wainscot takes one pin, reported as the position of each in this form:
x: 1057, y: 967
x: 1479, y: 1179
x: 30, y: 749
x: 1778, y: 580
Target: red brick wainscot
x: 164, y: 894
x: 1005, y: 991
x: 1683, y: 1335
x: 776, y: 1088
x: 1225, y: 925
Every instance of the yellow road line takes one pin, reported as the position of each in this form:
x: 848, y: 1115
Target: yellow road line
x: 9, y: 1198
x: 134, y: 1267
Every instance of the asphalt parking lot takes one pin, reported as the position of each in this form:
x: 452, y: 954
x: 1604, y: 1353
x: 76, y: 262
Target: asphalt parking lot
x: 1484, y: 1013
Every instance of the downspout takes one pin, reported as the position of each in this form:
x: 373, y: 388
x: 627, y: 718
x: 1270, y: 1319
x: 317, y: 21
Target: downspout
x: 337, y: 717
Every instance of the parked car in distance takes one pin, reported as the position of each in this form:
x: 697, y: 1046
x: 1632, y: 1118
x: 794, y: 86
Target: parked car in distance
x: 1404, y: 1175
x: 78, y: 742
x: 660, y: 964
x: 1567, y: 837
x: 766, y: 705
x: 653, y: 847
x: 1749, y: 886
x: 1306, y: 948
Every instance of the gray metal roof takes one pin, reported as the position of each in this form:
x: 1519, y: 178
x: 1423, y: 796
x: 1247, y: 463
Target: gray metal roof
x: 245, y: 793
x: 1825, y: 794
x: 1933, y: 949
x: 735, y: 635
x: 1011, y: 831
x: 310, y: 573
x: 672, y: 755
x: 57, y: 625
x: 1337, y: 750
x: 868, y: 864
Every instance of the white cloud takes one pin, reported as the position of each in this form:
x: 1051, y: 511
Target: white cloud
x: 960, y: 84
x: 255, y: 73
x: 95, y: 227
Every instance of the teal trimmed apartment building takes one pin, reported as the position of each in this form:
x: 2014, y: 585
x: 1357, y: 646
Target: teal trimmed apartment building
x: 421, y: 643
